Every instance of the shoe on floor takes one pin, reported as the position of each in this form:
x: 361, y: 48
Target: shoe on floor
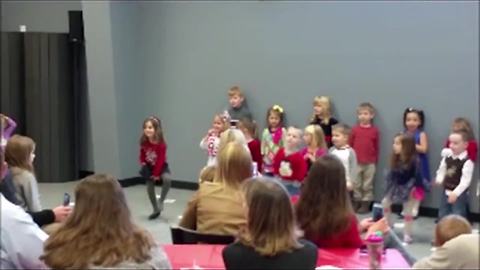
x: 154, y: 215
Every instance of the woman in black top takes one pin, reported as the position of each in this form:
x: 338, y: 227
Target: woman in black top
x: 271, y: 239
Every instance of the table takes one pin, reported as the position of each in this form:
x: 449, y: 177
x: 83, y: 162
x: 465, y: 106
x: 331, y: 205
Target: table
x: 210, y: 257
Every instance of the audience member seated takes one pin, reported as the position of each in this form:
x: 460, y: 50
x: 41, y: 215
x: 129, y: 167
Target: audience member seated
x: 21, y: 239
x: 216, y: 208
x: 19, y: 154
x: 271, y: 239
x: 100, y: 232
x: 323, y: 210
x: 457, y: 247
x: 207, y: 174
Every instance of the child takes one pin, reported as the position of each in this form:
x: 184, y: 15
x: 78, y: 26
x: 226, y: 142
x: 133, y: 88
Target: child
x: 455, y: 174
x: 153, y: 159
x: 344, y: 152
x: 322, y: 116
x: 457, y: 247
x: 232, y: 135
x: 272, y: 137
x: 19, y: 154
x: 271, y: 239
x: 458, y: 124
x: 288, y: 163
x: 403, y: 176
x: 249, y: 129
x: 316, y: 145
x: 238, y: 108
x: 211, y: 141
x: 414, y: 121
x: 7, y: 127
x: 364, y: 140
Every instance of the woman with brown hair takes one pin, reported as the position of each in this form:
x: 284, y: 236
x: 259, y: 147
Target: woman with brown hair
x: 216, y: 208
x: 324, y: 211
x: 271, y: 239
x: 100, y: 233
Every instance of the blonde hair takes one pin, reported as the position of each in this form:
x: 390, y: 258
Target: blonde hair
x: 325, y: 103
x: 299, y: 132
x: 100, y: 231
x: 18, y: 151
x: 234, y: 165
x: 235, y: 91
x: 318, y: 137
x: 207, y: 174
x: 450, y: 227
x: 271, y: 227
x: 231, y: 135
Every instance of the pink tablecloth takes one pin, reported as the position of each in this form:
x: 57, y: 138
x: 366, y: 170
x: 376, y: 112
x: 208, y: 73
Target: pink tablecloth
x: 210, y: 257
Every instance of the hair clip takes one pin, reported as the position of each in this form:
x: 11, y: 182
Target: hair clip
x: 277, y: 108
x: 154, y: 119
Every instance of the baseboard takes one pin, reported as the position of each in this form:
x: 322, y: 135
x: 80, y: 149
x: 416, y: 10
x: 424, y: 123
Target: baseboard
x: 433, y: 212
x: 175, y: 183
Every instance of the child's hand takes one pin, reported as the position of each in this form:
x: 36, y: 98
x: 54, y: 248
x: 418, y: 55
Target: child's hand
x: 271, y: 156
x: 311, y: 157
x: 155, y: 178
x: 452, y: 198
x: 349, y: 186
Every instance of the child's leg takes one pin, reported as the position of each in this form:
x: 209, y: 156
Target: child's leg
x: 387, y: 210
x: 445, y: 208
x: 152, y: 195
x: 368, y: 176
x: 460, y: 206
x: 408, y: 217
x: 357, y: 183
x: 166, y: 184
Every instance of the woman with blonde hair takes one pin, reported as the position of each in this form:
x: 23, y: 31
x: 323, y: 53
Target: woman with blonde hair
x: 216, y: 208
x: 271, y: 239
x: 100, y: 232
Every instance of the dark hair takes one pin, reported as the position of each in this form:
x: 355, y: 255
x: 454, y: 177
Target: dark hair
x: 323, y: 193
x: 157, y: 126
x: 407, y: 154
x: 420, y: 114
x: 249, y: 125
x: 278, y: 111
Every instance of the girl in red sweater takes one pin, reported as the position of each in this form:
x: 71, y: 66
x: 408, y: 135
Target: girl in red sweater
x: 289, y: 164
x: 153, y: 159
x: 249, y: 129
x: 324, y: 211
x: 462, y: 124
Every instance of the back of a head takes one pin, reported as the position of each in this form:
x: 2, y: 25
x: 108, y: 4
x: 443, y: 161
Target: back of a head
x: 18, y: 151
x: 231, y: 135
x: 234, y: 165
x: 271, y: 222
x: 100, y: 228
x: 324, y: 192
x: 450, y: 227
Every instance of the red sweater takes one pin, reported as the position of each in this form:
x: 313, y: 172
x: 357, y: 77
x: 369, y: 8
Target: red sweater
x: 350, y: 238
x: 256, y: 152
x: 155, y: 155
x: 472, y: 149
x: 364, y: 140
x: 296, y: 162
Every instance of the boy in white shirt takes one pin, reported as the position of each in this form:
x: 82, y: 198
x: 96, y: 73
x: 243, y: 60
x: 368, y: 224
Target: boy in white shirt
x: 346, y: 154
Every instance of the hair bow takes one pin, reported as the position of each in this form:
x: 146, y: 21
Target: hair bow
x: 277, y: 108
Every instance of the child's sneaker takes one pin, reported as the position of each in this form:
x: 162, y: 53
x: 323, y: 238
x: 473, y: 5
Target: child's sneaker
x: 407, y: 239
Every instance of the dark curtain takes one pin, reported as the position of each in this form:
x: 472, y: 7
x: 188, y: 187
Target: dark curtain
x: 39, y: 74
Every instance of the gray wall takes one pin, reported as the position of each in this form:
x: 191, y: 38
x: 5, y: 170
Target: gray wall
x: 393, y: 54
x: 38, y: 16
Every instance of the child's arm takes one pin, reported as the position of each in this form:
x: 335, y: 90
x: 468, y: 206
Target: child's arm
x: 161, y: 151
x: 422, y: 147
x: 441, y: 172
x: 351, y: 140
x: 11, y: 125
x: 376, y: 144
x: 467, y: 173
x: 32, y: 197
x: 141, y: 157
x: 276, y: 161
x: 352, y: 165
x: 472, y: 150
x: 300, y: 169
x: 263, y: 143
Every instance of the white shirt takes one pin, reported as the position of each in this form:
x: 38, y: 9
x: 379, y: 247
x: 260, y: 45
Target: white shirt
x: 21, y: 240
x: 211, y: 143
x: 348, y: 158
x: 467, y: 172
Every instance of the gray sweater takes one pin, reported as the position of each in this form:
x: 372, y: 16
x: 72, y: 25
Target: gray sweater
x: 26, y: 189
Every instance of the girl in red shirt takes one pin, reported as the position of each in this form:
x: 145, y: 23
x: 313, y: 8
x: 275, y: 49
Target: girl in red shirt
x: 153, y: 159
x: 324, y: 211
x: 249, y: 129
